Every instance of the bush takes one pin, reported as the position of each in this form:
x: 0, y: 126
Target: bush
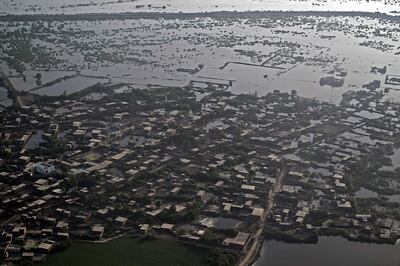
x: 217, y: 257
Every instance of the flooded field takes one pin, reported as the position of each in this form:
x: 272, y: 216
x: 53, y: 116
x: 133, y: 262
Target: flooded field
x: 244, y: 55
x: 329, y: 251
x: 59, y: 48
x: 107, y: 6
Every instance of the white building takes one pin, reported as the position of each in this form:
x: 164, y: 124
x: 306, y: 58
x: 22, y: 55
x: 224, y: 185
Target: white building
x: 44, y: 168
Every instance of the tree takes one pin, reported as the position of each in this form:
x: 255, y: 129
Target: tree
x: 217, y: 257
x: 69, y: 182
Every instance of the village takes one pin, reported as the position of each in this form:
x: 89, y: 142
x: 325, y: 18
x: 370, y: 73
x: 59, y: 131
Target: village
x: 208, y: 167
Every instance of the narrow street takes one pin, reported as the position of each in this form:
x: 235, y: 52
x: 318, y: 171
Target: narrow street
x: 258, y: 237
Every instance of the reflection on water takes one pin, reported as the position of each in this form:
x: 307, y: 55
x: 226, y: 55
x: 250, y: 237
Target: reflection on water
x: 105, y: 6
x: 329, y: 251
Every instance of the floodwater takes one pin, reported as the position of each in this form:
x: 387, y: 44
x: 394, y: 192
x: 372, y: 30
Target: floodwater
x: 329, y: 251
x: 226, y: 223
x: 4, y: 99
x: 35, y: 140
x: 364, y: 193
x: 70, y: 86
x: 30, y: 78
x: 106, y: 6
x: 140, y: 52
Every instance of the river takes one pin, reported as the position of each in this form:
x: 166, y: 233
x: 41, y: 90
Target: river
x: 329, y: 251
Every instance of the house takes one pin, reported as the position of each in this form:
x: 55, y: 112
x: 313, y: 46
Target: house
x: 175, y: 190
x: 121, y: 221
x: 257, y: 213
x: 248, y: 188
x: 62, y: 235
x: 98, y: 231
x: 28, y: 254
x: 293, y: 178
x: 24, y: 159
x: 201, y: 194
x: 144, y: 228
x: 25, y: 137
x: 240, y: 241
x: 41, y: 182
x: 19, y: 230
x: 344, y: 204
x: 229, y: 208
x: 171, y: 132
x: 167, y: 227
x: 340, y: 186
x: 62, y: 226
x: 12, y: 249
x: 45, y: 247
x: 53, y: 129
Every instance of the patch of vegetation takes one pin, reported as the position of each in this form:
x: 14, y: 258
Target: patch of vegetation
x: 133, y: 252
x: 220, y: 258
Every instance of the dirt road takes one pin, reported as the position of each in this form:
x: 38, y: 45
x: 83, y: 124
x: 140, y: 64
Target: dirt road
x: 258, y: 237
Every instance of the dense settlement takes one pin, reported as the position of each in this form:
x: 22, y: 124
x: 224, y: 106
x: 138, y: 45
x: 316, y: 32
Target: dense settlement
x: 196, y: 164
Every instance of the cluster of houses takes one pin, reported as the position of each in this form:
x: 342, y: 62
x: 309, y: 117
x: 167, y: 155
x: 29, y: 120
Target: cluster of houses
x: 320, y: 190
x: 161, y: 162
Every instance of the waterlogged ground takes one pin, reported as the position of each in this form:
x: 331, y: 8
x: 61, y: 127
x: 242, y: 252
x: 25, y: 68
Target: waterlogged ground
x: 255, y: 54
x: 110, y: 6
